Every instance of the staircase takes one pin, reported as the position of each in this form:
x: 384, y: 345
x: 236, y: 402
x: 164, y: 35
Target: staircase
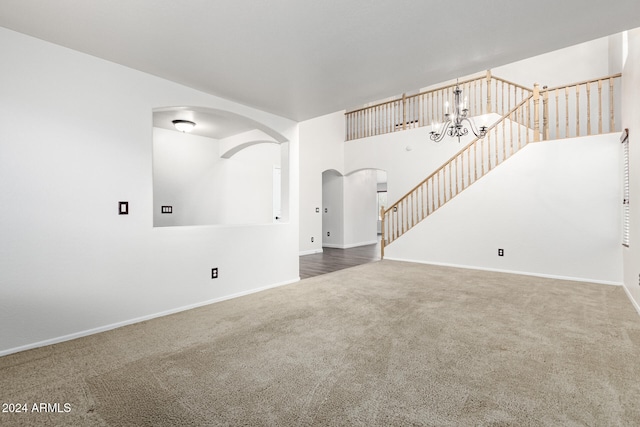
x: 527, y: 116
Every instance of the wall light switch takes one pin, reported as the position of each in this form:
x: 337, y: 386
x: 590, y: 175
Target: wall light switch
x: 123, y: 208
x: 166, y: 209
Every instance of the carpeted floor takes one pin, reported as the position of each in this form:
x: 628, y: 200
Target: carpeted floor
x: 382, y: 344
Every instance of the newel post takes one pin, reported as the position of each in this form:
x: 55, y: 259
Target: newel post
x: 545, y: 114
x: 536, y: 112
x: 382, y: 230
x: 488, y: 91
x: 404, y: 111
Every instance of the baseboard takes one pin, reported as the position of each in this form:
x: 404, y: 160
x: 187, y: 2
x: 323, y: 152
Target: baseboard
x: 355, y: 245
x: 523, y: 273
x: 310, y: 252
x: 349, y: 246
x: 109, y: 327
x: 332, y: 245
x: 633, y: 301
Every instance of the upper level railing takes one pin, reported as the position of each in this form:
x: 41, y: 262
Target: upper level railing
x: 590, y: 107
x: 484, y: 94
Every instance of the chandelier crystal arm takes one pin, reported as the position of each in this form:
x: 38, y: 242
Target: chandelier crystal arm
x: 438, y: 136
x: 479, y: 132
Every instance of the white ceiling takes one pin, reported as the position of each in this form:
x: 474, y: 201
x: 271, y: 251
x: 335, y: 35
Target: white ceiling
x: 301, y: 58
x: 209, y: 123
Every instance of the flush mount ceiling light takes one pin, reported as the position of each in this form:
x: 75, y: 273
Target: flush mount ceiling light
x: 183, y: 125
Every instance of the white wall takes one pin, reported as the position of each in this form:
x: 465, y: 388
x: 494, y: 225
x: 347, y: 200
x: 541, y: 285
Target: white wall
x: 572, y: 64
x: 76, y: 138
x: 360, y: 208
x: 321, y: 149
x: 560, y: 67
x: 185, y: 177
x: 631, y: 121
x: 333, y: 204
x: 408, y: 157
x: 616, y: 53
x: 553, y: 207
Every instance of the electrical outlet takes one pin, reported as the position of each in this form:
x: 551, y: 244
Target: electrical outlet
x: 317, y: 210
x: 328, y: 233
x: 214, y: 273
x: 312, y: 240
x: 500, y: 252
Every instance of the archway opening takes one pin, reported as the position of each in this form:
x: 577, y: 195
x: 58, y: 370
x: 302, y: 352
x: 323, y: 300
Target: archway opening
x: 351, y: 207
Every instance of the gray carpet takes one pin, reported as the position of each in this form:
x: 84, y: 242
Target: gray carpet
x: 382, y: 344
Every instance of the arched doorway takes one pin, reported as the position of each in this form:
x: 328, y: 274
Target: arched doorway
x: 350, y: 221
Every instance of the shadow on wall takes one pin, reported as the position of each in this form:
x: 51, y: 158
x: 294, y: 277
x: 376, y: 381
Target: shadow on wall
x: 228, y: 170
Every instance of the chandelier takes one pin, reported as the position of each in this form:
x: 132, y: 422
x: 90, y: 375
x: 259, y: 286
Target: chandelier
x: 453, y: 123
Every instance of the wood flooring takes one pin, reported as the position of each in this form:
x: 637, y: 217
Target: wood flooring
x: 332, y: 259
